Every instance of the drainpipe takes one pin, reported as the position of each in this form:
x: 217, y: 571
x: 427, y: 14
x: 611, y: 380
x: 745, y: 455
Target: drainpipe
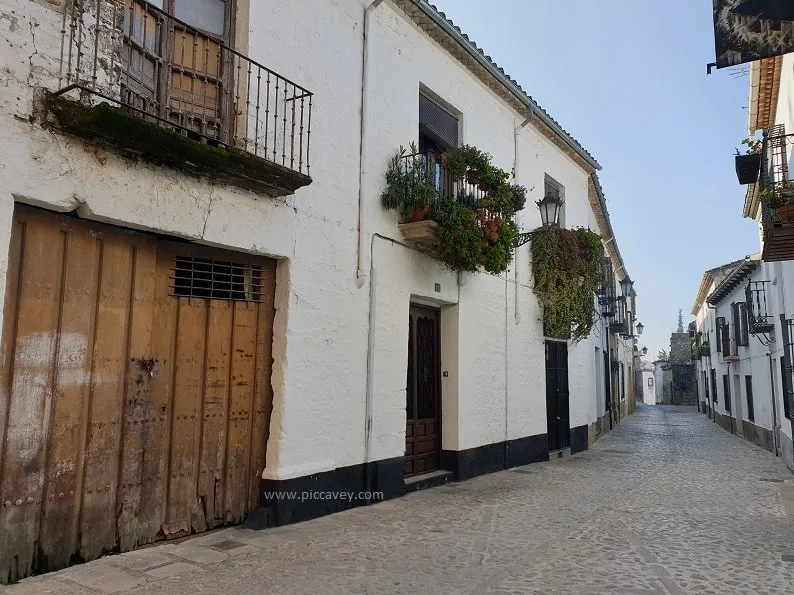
x: 515, y: 180
x: 361, y: 276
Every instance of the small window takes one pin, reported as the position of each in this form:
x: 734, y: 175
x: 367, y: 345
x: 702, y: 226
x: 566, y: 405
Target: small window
x: 216, y: 280
x: 750, y: 407
x: 556, y: 190
x: 650, y: 382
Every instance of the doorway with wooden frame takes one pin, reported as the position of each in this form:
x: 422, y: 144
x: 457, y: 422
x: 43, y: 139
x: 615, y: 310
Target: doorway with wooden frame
x: 423, y: 392
x: 557, y: 396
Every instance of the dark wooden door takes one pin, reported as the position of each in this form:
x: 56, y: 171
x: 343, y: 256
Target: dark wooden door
x: 557, y: 405
x: 423, y: 406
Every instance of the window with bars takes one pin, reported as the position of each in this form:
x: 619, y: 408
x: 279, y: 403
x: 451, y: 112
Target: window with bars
x: 216, y: 280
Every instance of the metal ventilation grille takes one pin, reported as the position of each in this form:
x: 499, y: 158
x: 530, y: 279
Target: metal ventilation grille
x: 216, y: 280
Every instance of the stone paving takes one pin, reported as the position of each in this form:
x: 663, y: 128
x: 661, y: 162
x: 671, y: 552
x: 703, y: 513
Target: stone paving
x: 666, y: 503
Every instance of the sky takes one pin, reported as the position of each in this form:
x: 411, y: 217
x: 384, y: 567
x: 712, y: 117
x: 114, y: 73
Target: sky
x: 627, y: 78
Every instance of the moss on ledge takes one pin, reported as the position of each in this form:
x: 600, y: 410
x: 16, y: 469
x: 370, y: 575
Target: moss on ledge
x: 133, y: 136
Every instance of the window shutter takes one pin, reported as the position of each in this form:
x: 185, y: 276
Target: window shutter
x: 740, y: 329
x: 720, y: 332
x: 437, y: 123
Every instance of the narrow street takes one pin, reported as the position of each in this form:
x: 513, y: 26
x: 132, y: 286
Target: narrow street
x: 667, y: 503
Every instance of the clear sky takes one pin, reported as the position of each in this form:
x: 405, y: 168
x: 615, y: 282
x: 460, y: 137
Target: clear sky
x: 627, y: 78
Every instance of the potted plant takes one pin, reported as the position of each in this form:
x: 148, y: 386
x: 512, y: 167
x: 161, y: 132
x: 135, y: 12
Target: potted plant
x: 467, y: 162
x: 705, y: 349
x: 410, y: 186
x: 749, y: 164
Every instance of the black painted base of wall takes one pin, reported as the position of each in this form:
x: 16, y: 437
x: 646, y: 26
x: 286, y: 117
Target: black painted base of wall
x: 578, y: 439
x: 312, y: 496
x: 283, y: 502
x: 499, y: 456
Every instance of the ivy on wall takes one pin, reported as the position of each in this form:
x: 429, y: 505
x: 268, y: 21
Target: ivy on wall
x: 566, y: 271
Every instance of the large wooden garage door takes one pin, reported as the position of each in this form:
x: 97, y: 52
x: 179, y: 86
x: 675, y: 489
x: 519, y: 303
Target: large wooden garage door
x: 135, y: 390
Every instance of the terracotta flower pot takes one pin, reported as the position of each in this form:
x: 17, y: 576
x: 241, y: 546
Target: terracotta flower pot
x: 474, y: 178
x: 421, y: 214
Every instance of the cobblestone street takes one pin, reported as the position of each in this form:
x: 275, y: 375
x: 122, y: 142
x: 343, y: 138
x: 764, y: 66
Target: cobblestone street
x: 666, y: 503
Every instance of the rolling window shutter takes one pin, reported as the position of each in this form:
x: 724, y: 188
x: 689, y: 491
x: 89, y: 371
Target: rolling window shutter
x: 437, y: 123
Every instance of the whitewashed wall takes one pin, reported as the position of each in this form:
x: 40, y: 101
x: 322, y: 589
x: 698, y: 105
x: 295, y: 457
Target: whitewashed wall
x: 492, y: 335
x: 753, y: 361
x: 648, y: 391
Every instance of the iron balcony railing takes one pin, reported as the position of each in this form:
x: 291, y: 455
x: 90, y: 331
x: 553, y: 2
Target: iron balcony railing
x: 606, y: 292
x: 775, y: 187
x: 758, y: 318
x: 428, y: 166
x: 131, y: 53
x: 621, y: 319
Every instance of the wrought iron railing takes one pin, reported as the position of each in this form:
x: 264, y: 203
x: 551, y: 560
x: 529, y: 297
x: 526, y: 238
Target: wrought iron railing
x: 621, y: 319
x: 160, y: 68
x: 428, y: 167
x: 758, y: 318
x: 774, y: 184
x: 606, y: 292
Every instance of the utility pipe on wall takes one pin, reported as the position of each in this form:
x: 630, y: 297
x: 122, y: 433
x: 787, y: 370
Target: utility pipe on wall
x: 361, y: 275
x: 515, y: 180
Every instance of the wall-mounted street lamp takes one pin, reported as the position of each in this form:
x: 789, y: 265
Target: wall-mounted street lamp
x: 627, y: 285
x: 549, y: 209
x: 640, y: 328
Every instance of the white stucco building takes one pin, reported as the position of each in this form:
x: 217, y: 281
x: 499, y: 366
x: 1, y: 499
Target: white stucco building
x: 648, y: 383
x: 744, y: 309
x: 195, y: 319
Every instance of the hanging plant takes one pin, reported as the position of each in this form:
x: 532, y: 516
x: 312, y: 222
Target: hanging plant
x: 566, y: 269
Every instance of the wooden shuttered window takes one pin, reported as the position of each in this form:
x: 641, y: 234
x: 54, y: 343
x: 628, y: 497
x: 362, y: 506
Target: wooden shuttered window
x: 741, y: 333
x: 723, y: 336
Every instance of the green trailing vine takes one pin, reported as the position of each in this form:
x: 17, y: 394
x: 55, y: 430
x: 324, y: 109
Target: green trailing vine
x: 566, y: 268
x: 473, y: 233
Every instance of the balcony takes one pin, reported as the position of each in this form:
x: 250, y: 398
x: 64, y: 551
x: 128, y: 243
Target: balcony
x: 620, y: 323
x: 759, y: 320
x: 418, y: 168
x: 777, y: 197
x: 145, y: 84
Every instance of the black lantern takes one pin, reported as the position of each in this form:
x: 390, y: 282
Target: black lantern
x: 644, y: 351
x: 626, y: 285
x: 640, y: 328
x: 549, y: 210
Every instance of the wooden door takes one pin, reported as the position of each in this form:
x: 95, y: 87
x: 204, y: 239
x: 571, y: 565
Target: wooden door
x: 135, y: 390
x: 423, y: 403
x: 557, y: 397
